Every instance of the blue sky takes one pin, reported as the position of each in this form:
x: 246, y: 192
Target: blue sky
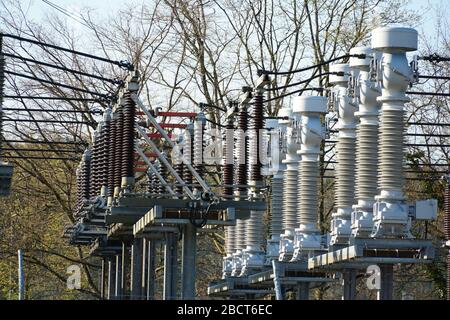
x: 38, y: 9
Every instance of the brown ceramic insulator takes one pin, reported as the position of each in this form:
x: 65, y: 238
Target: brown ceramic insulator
x: 257, y: 124
x: 163, y: 173
x: 228, y: 168
x: 111, y: 159
x: 187, y: 174
x: 93, y: 173
x: 241, y: 174
x: 104, y: 154
x: 129, y: 111
x: 447, y: 210
x: 179, y: 169
x: 118, y: 149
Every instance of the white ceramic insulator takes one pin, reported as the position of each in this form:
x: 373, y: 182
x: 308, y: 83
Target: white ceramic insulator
x: 229, y: 146
x: 290, y: 193
x: 198, y: 142
x: 308, y: 197
x: 252, y: 146
x: 345, y: 172
x: 366, y: 162
x: 393, y: 42
x: 187, y: 147
x: 311, y: 109
x: 276, y: 223
x: 255, y: 230
x: 241, y: 226
x: 391, y: 150
x: 230, y: 239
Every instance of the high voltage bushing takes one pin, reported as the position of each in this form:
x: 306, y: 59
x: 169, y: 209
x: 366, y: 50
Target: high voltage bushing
x: 129, y: 111
x: 346, y: 155
x: 274, y: 168
x: 199, y: 146
x: 447, y: 227
x: 104, y: 158
x: 227, y: 178
x: 83, y: 175
x: 118, y: 149
x: 367, y: 91
x: 307, y: 237
x: 188, y: 154
x: 290, y: 216
x: 241, y: 156
x: 95, y: 162
x: 163, y: 172
x: 253, y: 254
x: 111, y: 157
x: 391, y: 216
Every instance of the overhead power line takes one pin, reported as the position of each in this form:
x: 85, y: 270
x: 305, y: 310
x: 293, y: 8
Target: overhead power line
x: 81, y: 73
x: 122, y: 63
x: 56, y: 84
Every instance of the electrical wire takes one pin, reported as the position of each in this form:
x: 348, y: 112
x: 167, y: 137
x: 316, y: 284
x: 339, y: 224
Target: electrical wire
x: 83, y: 143
x: 433, y: 77
x: 433, y: 58
x: 56, y: 84
x: 41, y: 158
x: 360, y: 56
x: 51, y: 121
x: 428, y: 93
x: 341, y: 74
x: 43, y: 150
x: 122, y: 63
x: 113, y: 81
x: 54, y: 110
x: 53, y: 98
x: 294, y: 92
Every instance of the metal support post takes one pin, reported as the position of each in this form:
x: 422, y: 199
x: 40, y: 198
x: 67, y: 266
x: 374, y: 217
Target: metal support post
x: 303, y: 291
x: 111, y: 277
x: 170, y: 267
x: 387, y: 282
x: 188, y: 262
x: 102, y: 279
x: 136, y: 269
x: 279, y: 292
x: 349, y: 283
x: 125, y: 271
x: 151, y: 262
x: 144, y: 269
x: 118, y: 279
x: 21, y: 276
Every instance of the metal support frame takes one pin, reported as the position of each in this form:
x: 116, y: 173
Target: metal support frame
x: 153, y: 169
x: 151, y: 264
x: 303, y: 291
x: 387, y: 282
x: 186, y: 162
x: 164, y: 161
x: 188, y: 262
x: 125, y: 271
x: 170, y: 267
x: 118, y: 278
x: 349, y: 284
x: 111, y: 278
x: 136, y: 268
x: 103, y: 278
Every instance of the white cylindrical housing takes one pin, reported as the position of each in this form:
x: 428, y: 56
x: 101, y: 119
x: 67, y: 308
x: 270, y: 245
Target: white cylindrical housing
x: 391, y: 216
x: 307, y: 236
x: 366, y: 145
x: 346, y: 154
x: 310, y: 108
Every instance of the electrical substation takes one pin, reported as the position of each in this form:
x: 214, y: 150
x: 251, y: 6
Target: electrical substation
x: 143, y: 188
